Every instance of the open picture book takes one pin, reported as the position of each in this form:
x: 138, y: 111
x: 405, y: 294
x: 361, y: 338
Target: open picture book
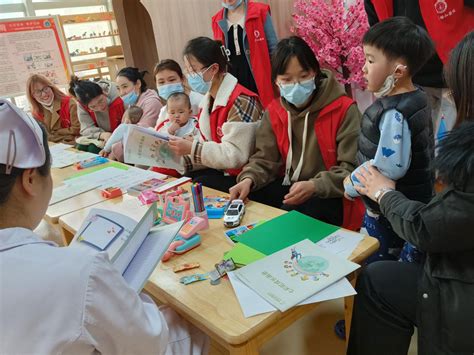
x: 145, y: 146
x: 134, y: 248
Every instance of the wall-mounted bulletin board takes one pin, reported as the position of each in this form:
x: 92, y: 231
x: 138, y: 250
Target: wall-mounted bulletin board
x: 31, y: 45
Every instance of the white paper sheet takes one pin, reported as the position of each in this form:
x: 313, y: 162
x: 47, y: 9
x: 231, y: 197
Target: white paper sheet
x: 59, y: 147
x: 135, y: 176
x: 252, y: 304
x: 113, y: 177
x: 342, y: 242
x: 295, y: 273
x: 63, y: 158
x: 65, y: 192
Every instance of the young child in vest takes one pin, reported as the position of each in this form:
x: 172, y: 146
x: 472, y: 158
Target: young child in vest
x: 397, y: 133
x: 179, y: 123
x: 131, y: 116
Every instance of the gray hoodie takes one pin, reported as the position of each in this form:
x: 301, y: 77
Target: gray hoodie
x: 88, y: 127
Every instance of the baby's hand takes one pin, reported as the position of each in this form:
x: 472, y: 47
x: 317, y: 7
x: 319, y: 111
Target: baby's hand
x: 103, y: 153
x: 173, y: 128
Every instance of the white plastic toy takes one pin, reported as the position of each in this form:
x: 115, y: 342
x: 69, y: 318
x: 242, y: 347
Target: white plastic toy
x: 234, y: 213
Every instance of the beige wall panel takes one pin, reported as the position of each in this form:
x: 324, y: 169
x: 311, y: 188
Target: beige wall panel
x: 177, y: 21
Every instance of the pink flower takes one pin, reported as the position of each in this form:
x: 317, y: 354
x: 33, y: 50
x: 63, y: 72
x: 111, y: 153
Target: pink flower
x: 334, y: 33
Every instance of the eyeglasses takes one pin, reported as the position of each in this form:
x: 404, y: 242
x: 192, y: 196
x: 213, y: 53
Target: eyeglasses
x: 100, y: 102
x: 39, y: 93
x: 200, y: 72
x: 298, y: 81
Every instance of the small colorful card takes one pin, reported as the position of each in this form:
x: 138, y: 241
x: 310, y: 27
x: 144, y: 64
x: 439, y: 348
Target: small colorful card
x: 231, y: 234
x: 100, y: 232
x: 146, y: 185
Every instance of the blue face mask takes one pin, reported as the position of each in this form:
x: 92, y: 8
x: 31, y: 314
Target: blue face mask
x: 165, y: 91
x: 130, y: 98
x: 232, y: 7
x: 298, y: 93
x: 198, y: 83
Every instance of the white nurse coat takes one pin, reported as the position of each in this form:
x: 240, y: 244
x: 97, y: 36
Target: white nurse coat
x: 62, y: 301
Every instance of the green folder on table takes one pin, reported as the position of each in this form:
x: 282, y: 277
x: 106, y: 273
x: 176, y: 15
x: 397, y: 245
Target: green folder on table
x: 111, y: 164
x: 285, y: 230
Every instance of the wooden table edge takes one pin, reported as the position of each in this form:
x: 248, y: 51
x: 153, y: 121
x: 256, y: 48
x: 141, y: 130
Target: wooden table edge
x: 265, y: 325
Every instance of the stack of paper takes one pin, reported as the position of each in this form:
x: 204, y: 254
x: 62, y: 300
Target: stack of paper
x: 252, y: 304
x: 114, y: 177
x: 58, y: 147
x: 283, y: 232
x: 65, y: 192
x: 291, y: 275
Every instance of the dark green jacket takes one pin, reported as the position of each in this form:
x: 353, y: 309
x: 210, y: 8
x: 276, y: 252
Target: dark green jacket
x: 444, y: 229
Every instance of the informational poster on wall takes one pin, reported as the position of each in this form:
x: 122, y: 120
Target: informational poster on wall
x: 31, y: 45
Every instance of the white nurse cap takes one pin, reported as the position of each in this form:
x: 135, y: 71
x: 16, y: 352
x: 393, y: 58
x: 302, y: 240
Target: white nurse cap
x: 21, y: 139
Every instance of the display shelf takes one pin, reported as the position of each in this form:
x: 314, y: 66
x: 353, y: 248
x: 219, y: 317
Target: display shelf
x: 91, y: 63
x: 85, y: 38
x: 99, y: 36
x: 87, y: 18
x: 85, y: 54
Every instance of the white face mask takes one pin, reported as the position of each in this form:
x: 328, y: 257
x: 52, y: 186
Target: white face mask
x: 47, y: 102
x: 388, y: 84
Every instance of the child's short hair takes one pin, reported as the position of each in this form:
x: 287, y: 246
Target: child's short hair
x: 455, y: 160
x: 134, y: 113
x: 179, y: 96
x: 399, y: 37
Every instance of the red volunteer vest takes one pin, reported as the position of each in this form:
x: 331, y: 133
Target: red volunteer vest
x: 64, y: 113
x: 326, y: 127
x: 259, y: 52
x: 219, y: 116
x: 447, y: 21
x: 116, y: 110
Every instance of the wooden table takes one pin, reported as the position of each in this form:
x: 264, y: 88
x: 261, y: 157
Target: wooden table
x: 75, y: 203
x: 215, y: 309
